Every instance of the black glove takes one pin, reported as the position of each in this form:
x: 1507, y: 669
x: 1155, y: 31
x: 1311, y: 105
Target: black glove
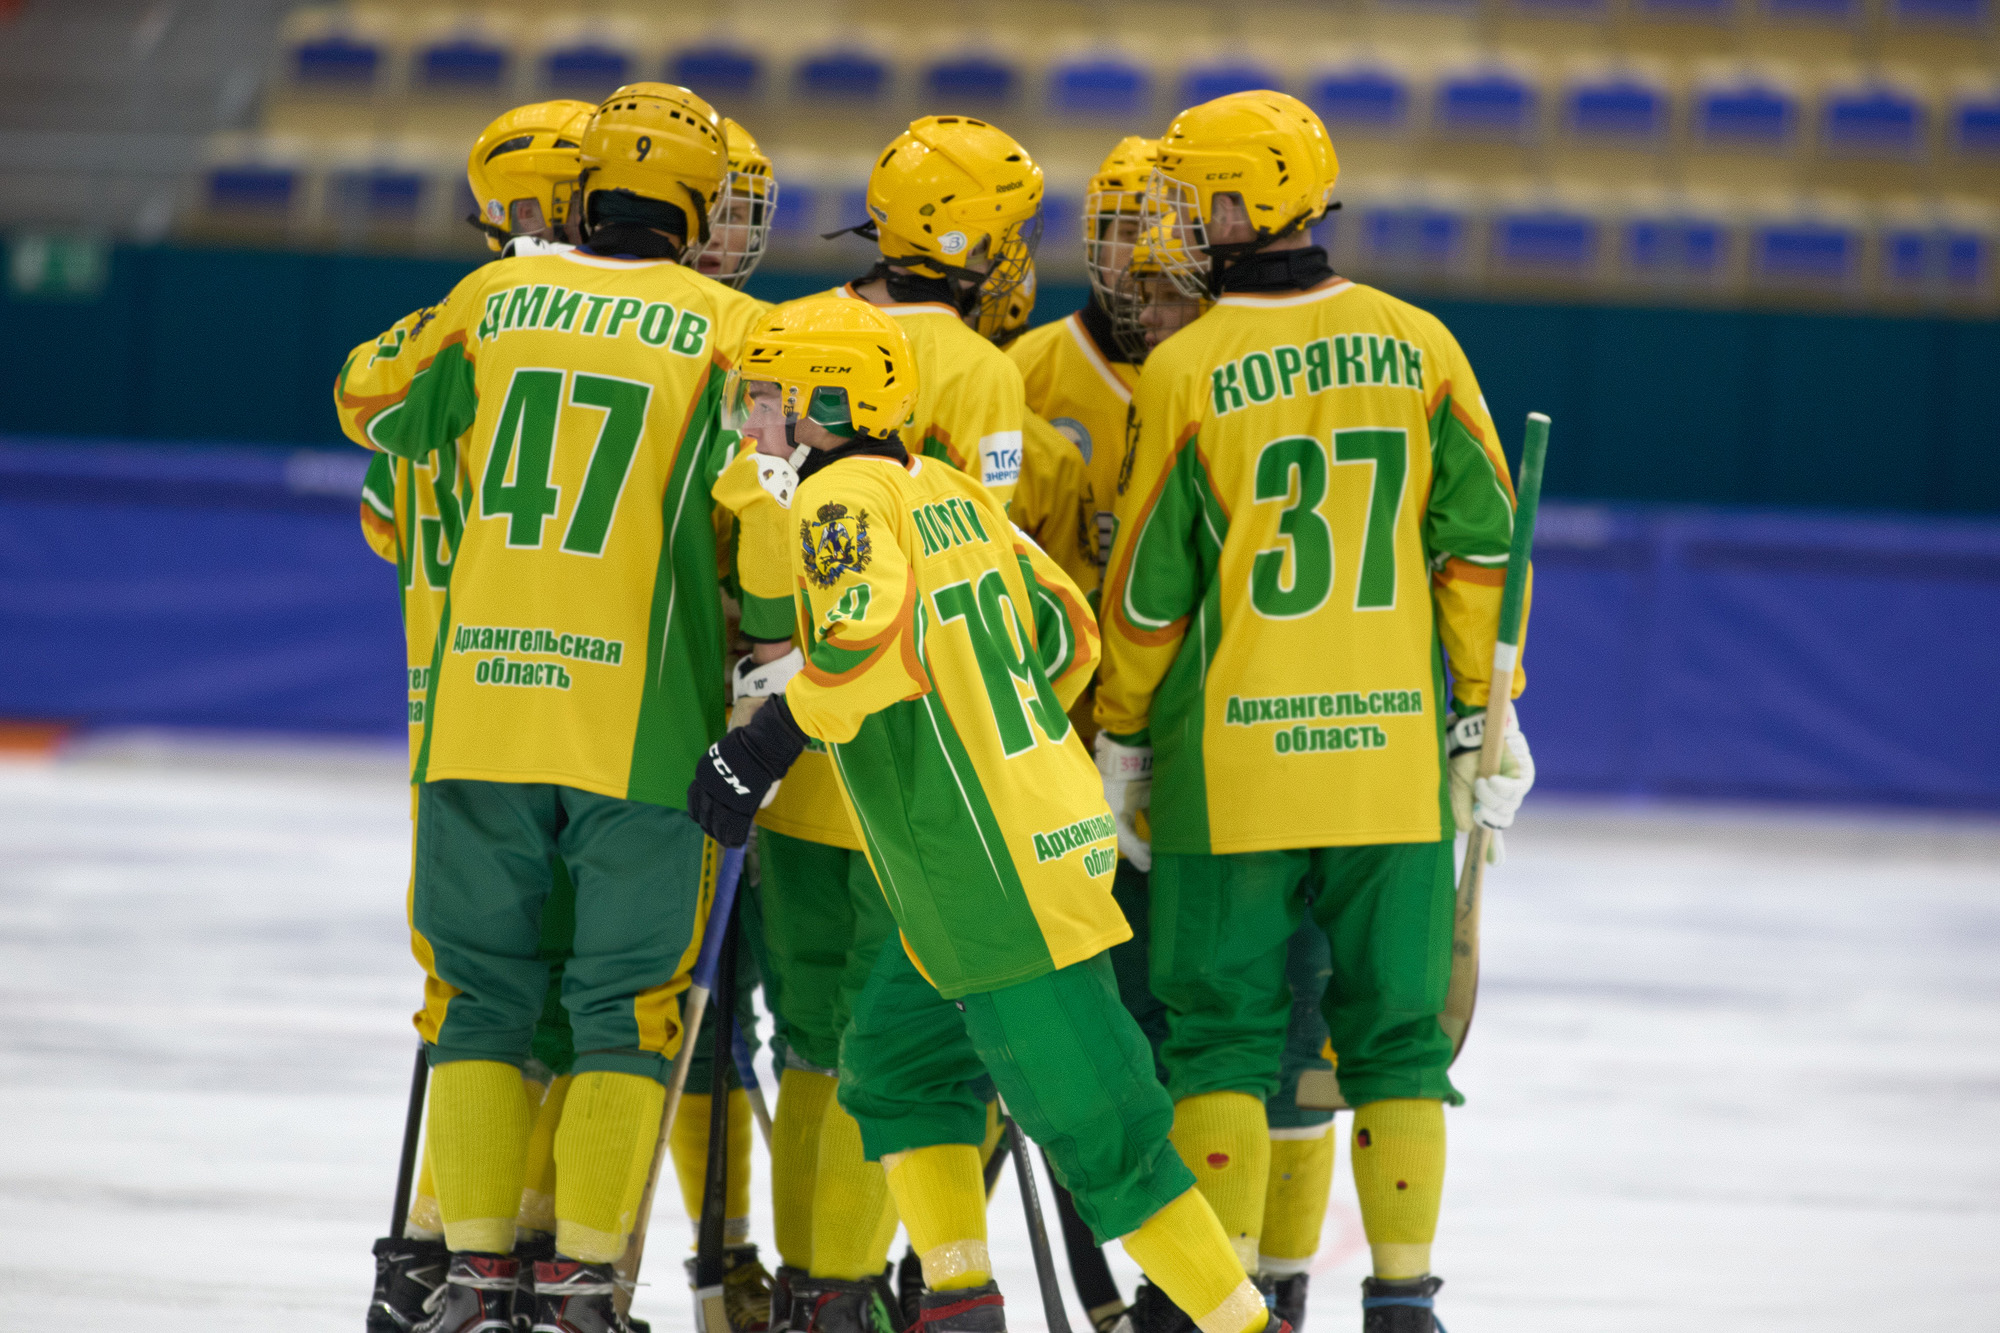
x: 733, y: 778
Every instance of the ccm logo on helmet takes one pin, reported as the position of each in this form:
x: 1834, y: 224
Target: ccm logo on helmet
x: 831, y: 370
x: 1223, y: 176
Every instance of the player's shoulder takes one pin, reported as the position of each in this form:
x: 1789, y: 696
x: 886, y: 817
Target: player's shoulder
x: 963, y: 355
x: 1393, y: 313
x: 853, y: 482
x: 1040, y: 345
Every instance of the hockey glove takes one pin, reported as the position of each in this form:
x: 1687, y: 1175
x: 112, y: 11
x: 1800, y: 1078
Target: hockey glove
x: 753, y: 682
x: 739, y: 771
x: 1490, y: 802
x: 1128, y: 790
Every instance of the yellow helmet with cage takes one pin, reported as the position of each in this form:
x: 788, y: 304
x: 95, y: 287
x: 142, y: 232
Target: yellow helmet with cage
x: 1146, y: 305
x: 837, y: 362
x: 1112, y: 203
x: 739, y: 224
x: 523, y: 169
x: 946, y: 198
x: 658, y: 142
x: 1005, y: 318
x: 1272, y: 157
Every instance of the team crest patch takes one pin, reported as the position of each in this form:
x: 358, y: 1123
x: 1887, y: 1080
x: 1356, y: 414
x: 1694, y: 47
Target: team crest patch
x: 834, y: 543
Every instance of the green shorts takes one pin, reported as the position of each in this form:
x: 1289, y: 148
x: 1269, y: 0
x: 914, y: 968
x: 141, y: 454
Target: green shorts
x: 1070, y: 1063
x: 1221, y: 932
x: 824, y: 922
x: 482, y: 885
x: 1307, y: 966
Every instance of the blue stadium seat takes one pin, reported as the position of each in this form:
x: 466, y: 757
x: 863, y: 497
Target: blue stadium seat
x: 1622, y: 107
x: 1941, y: 259
x: 1975, y: 126
x: 336, y: 59
x: 1746, y: 115
x: 1062, y: 223
x: 1552, y: 241
x: 1808, y: 252
x: 1490, y: 102
x: 843, y: 74
x: 798, y: 202
x: 1414, y: 235
x: 249, y: 187
x: 1876, y: 119
x: 587, y: 68
x: 1962, y: 13
x: 1205, y: 83
x: 973, y: 77
x: 1361, y: 97
x: 1675, y: 246
x: 718, y: 71
x: 1100, y: 85
x: 853, y: 206
x: 383, y: 194
x: 1689, y: 11
x: 1821, y: 11
x: 462, y: 63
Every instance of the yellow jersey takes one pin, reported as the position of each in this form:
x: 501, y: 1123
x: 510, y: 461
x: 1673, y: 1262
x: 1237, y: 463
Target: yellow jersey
x: 580, y: 638
x: 969, y: 400
x: 943, y: 649
x: 1072, y: 376
x: 1314, y: 523
x: 1052, y: 503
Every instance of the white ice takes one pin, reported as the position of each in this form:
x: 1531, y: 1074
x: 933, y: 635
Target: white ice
x: 1731, y: 1070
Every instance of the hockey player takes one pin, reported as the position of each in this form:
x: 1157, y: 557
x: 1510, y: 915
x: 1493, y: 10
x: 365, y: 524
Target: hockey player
x: 952, y: 204
x: 1314, y: 525
x: 522, y: 170
x: 927, y: 618
x: 739, y: 228
x: 575, y: 679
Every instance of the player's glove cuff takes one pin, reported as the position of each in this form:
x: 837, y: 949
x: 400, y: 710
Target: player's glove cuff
x: 739, y: 771
x: 760, y: 680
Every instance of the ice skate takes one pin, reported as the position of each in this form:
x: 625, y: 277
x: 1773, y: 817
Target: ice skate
x: 979, y: 1309
x: 830, y: 1305
x: 477, y: 1296
x: 782, y: 1283
x: 910, y: 1287
x: 1287, y: 1299
x: 1402, y: 1306
x: 749, y: 1295
x: 1153, y: 1311
x: 572, y: 1297
x: 407, y: 1271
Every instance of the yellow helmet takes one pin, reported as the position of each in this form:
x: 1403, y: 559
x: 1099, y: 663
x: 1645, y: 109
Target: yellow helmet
x: 1146, y: 305
x: 523, y: 168
x: 832, y: 360
x: 1112, y: 203
x: 739, y: 225
x: 950, y: 193
x: 658, y: 142
x: 1272, y: 156
x: 1312, y: 126
x: 1003, y: 318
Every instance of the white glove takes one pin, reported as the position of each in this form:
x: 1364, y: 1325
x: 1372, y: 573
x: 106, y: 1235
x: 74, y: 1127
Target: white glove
x: 1128, y: 790
x: 1489, y: 802
x: 752, y: 683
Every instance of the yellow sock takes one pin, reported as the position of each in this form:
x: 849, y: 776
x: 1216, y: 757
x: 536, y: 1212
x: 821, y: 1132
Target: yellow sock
x: 1295, y: 1199
x: 795, y: 1129
x: 995, y: 1141
x: 942, y: 1201
x: 1224, y: 1140
x: 538, y: 1177
x: 1399, y: 1176
x: 690, y: 1150
x: 853, y: 1217
x: 604, y: 1147
x: 479, y: 1140
x: 1186, y: 1253
x: 424, y: 1222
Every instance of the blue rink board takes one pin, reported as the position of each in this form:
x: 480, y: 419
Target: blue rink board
x: 1671, y: 651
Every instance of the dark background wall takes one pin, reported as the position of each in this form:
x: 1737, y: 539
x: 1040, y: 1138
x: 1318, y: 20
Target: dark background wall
x: 1678, y: 405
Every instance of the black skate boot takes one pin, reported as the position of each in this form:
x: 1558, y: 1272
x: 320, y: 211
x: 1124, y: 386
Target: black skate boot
x: 910, y: 1287
x: 1287, y: 1299
x: 1153, y: 1311
x: 782, y: 1282
x: 572, y: 1297
x: 748, y: 1295
x: 406, y: 1273
x: 978, y: 1309
x: 477, y: 1296
x: 830, y: 1305
x: 530, y: 1253
x: 1402, y: 1306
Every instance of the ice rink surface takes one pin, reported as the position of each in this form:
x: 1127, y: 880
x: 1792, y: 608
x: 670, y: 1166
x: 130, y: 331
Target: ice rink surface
x: 1732, y: 1069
